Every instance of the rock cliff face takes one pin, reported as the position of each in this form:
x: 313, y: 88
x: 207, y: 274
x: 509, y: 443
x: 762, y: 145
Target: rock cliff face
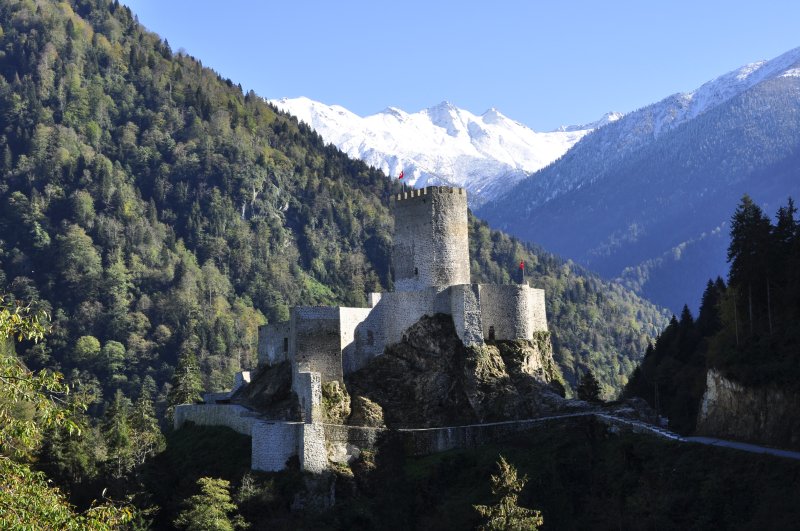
x: 766, y: 415
x: 431, y: 379
x: 270, y: 393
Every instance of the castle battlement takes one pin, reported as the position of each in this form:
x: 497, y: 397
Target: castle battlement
x: 428, y: 191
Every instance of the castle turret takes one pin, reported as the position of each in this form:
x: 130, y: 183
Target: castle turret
x: 431, y: 245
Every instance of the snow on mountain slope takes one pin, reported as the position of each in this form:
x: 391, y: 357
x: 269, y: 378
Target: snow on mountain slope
x: 598, y: 153
x: 628, y: 195
x: 485, y: 154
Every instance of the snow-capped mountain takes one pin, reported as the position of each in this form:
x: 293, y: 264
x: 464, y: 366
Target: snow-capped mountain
x: 485, y: 154
x: 630, y: 132
x: 647, y: 198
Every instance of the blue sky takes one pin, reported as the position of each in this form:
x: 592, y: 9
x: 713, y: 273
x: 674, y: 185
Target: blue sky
x: 543, y: 63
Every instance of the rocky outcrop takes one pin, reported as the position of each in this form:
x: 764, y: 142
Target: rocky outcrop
x: 768, y: 415
x: 270, y: 393
x: 431, y: 379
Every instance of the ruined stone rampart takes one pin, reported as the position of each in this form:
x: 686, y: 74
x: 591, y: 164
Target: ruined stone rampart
x: 273, y: 443
x: 465, y: 308
x: 431, y: 243
x: 538, y: 315
x: 273, y: 343
x: 308, y: 388
x: 238, y: 418
x: 315, y: 342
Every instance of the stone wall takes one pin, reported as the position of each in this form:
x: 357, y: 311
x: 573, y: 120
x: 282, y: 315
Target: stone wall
x: 273, y: 343
x: 538, y: 315
x: 312, y: 450
x: 349, y: 319
x: 273, y: 443
x: 238, y: 418
x: 431, y: 244
x: 393, y: 314
x: 308, y: 388
x: 514, y: 311
x: 315, y: 341
x: 466, y: 311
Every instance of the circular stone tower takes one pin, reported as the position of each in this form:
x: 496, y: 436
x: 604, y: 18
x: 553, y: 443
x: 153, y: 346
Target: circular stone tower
x: 431, y: 244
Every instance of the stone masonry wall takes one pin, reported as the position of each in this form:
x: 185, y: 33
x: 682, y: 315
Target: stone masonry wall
x: 515, y: 311
x: 431, y: 244
x: 315, y: 341
x: 505, y: 308
x: 466, y: 310
x: 349, y: 319
x: 237, y: 418
x: 312, y: 450
x: 308, y: 388
x: 538, y: 315
x: 273, y: 443
x: 393, y: 314
x: 273, y: 343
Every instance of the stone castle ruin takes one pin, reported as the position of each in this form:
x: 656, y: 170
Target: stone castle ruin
x: 319, y: 345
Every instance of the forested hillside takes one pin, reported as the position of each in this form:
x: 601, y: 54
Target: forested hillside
x: 748, y: 329
x: 647, y: 201
x: 158, y: 214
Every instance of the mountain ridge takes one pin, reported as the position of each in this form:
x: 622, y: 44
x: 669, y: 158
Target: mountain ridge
x: 663, y: 176
x: 483, y: 153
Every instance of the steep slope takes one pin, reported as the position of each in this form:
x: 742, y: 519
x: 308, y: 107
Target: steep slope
x: 157, y: 211
x: 441, y: 145
x: 647, y: 198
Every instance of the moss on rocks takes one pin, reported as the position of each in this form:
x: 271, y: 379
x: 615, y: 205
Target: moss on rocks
x: 365, y: 412
x: 335, y: 402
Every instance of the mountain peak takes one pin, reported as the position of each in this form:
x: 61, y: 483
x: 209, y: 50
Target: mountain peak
x: 439, y: 145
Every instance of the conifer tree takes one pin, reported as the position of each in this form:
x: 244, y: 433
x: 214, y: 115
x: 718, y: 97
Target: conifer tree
x: 186, y: 384
x: 588, y: 387
x: 210, y: 510
x: 506, y: 514
x: 117, y: 433
x: 146, y: 435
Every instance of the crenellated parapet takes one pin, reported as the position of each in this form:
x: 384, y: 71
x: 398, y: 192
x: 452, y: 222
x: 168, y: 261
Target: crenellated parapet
x: 431, y: 243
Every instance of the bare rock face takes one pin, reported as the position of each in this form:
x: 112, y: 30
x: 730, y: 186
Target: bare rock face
x: 766, y: 415
x: 431, y: 379
x: 367, y: 413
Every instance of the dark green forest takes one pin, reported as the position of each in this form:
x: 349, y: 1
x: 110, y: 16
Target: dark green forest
x: 580, y: 477
x: 749, y: 329
x: 158, y: 215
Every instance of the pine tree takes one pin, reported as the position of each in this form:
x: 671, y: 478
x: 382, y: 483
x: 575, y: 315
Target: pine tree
x: 588, y: 387
x: 748, y: 254
x: 506, y: 514
x: 186, y: 384
x: 147, y: 438
x: 709, y: 318
x: 209, y: 510
x: 117, y: 433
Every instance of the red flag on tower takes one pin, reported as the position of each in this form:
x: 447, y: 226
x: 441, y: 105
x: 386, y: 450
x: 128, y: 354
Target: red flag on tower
x: 401, y: 175
x: 522, y: 265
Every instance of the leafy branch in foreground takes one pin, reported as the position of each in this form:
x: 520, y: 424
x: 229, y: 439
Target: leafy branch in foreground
x: 29, y: 403
x: 506, y: 514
